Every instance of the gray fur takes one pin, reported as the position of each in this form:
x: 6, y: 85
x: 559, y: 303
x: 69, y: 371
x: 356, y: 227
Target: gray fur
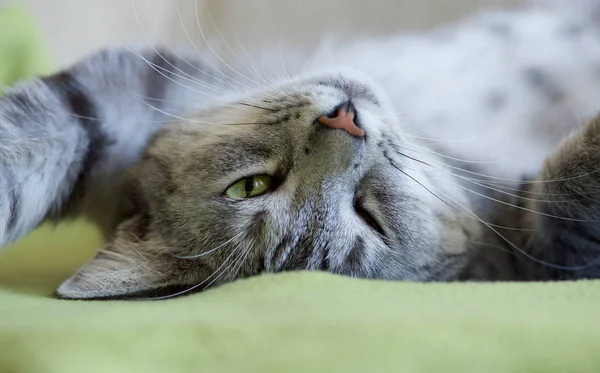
x: 156, y: 141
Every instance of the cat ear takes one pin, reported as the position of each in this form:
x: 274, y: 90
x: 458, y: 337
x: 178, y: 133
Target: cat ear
x: 134, y: 264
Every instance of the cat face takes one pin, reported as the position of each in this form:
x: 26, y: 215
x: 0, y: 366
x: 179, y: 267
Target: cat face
x: 257, y: 184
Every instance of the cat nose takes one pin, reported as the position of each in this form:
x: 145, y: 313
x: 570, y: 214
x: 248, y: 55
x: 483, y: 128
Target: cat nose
x: 344, y: 118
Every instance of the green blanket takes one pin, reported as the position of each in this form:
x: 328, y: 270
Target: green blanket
x: 312, y: 323
x: 300, y: 322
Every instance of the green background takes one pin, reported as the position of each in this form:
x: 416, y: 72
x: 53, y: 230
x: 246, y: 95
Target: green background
x: 293, y: 322
x: 50, y: 254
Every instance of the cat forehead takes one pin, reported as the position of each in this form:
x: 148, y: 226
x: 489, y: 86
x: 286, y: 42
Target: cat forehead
x: 259, y: 114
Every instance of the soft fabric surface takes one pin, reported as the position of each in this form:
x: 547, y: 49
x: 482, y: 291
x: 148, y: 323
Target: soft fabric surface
x: 312, y: 323
x: 286, y: 323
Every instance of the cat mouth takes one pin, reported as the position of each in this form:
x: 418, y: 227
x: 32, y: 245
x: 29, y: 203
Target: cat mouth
x: 367, y: 217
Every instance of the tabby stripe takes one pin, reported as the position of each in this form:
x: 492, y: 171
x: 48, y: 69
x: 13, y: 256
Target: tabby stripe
x: 280, y: 253
x: 14, y: 196
x: 354, y: 259
x: 75, y: 98
x: 162, y: 66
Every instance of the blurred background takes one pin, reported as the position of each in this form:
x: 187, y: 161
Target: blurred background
x: 75, y: 27
x: 66, y: 30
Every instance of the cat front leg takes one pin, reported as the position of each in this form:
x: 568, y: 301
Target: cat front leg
x: 563, y: 211
x: 66, y: 139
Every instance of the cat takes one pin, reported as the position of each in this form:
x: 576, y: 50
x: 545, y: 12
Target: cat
x: 469, y: 153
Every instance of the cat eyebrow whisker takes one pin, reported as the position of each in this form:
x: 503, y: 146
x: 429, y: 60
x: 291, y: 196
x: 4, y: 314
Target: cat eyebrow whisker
x: 158, y: 69
x: 211, y: 49
x: 155, y: 66
x: 171, y: 115
x: 265, y: 82
x: 256, y: 69
x: 257, y: 107
x: 283, y: 65
x: 180, y: 57
x: 187, y: 34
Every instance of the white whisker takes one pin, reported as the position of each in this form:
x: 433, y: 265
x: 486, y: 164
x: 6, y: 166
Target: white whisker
x: 210, y: 48
x: 187, y: 34
x: 265, y: 82
x: 238, y: 259
x: 234, y: 238
x: 189, y: 78
x: 192, y: 288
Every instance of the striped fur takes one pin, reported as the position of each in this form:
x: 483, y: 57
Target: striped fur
x: 150, y: 143
x: 67, y: 138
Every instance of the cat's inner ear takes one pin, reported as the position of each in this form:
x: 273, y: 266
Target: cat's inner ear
x: 135, y: 263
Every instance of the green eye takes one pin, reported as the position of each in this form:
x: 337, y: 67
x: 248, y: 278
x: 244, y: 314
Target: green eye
x: 250, y: 187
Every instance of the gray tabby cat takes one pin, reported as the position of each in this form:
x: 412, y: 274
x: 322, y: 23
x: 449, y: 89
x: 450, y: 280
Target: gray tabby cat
x: 458, y: 155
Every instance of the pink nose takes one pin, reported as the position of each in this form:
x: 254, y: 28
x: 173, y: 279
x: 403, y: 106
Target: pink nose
x: 343, y: 120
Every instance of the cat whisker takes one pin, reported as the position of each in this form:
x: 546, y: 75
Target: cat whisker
x: 500, y: 180
x: 164, y: 75
x: 513, y: 194
x: 444, y: 141
x: 192, y: 288
x: 495, y: 247
x: 257, y: 107
x: 264, y: 81
x: 518, y: 249
x: 189, y: 120
x: 412, y: 158
x: 189, y: 78
x: 187, y: 34
x: 393, y: 164
x: 193, y: 79
x: 500, y: 191
x: 525, y: 208
x: 234, y: 238
x: 493, y: 229
x: 507, y: 203
x: 425, y: 149
x: 502, y: 187
x: 210, y: 48
x: 442, y: 167
x: 236, y: 263
x: 226, y: 81
x: 289, y: 79
x: 257, y: 71
x: 239, y: 267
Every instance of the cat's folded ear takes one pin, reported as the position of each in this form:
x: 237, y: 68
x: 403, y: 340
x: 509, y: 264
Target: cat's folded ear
x: 135, y: 263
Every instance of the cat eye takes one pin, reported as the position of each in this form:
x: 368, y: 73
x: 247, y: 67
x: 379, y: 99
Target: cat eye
x: 250, y: 186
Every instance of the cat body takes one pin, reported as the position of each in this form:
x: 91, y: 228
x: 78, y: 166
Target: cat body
x: 478, y: 160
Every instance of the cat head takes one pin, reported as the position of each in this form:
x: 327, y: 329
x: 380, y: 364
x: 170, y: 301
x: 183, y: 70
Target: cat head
x: 258, y: 184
